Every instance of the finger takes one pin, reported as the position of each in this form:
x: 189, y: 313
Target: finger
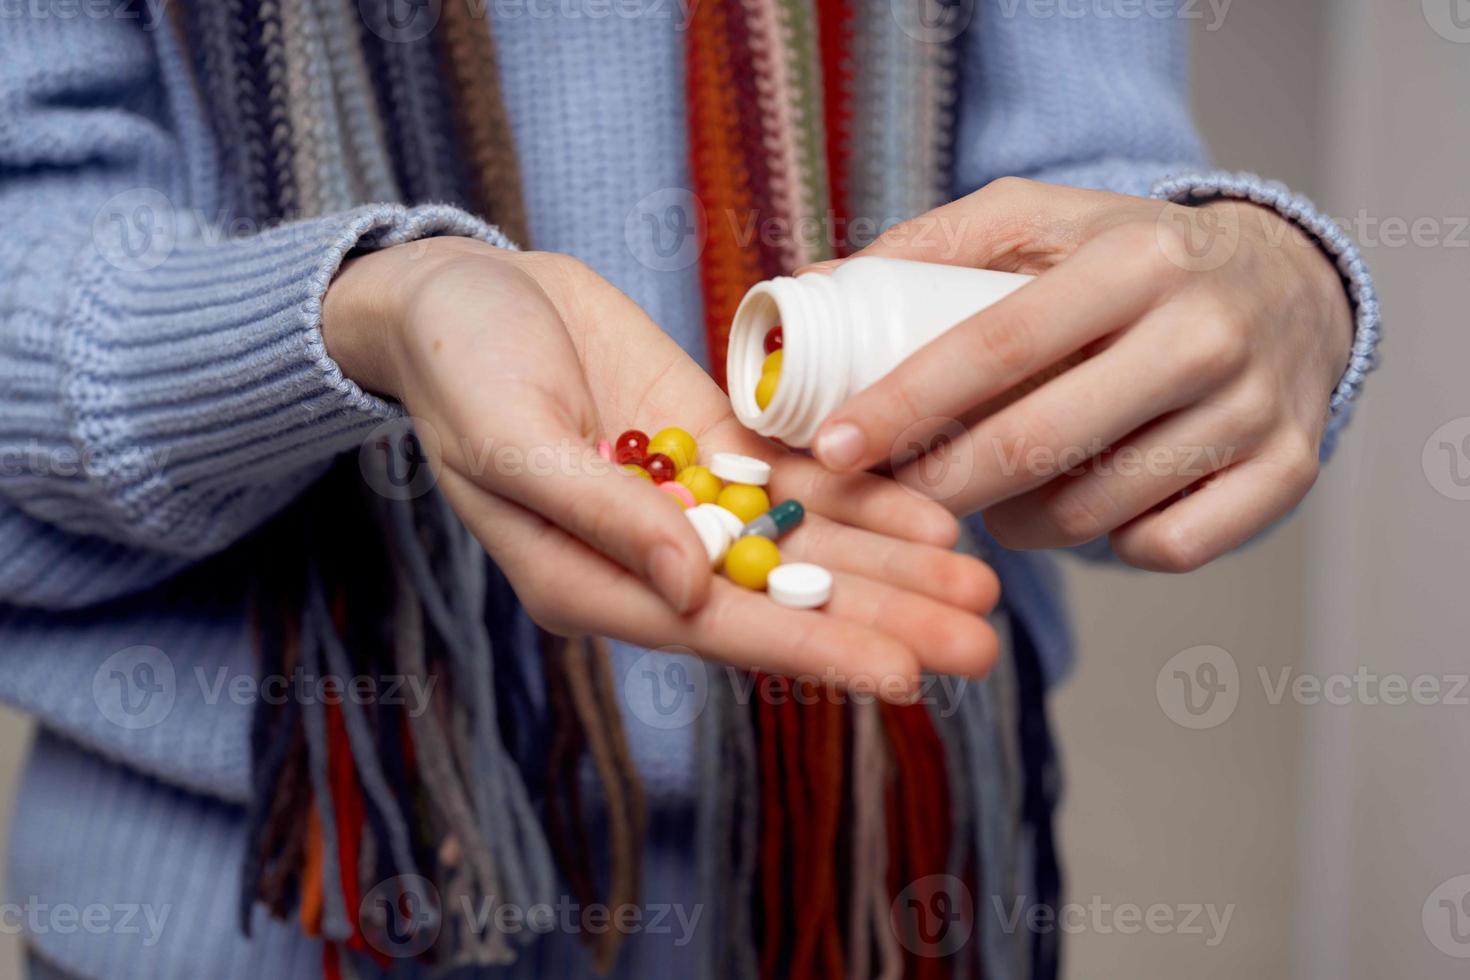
x: 1150, y: 466
x: 550, y: 467
x: 858, y: 499
x: 747, y: 628
x: 1165, y: 363
x: 943, y: 639
x: 550, y: 568
x: 957, y: 580
x: 1003, y: 218
x: 1220, y: 515
x: 1096, y: 292
x: 865, y: 500
x: 824, y: 266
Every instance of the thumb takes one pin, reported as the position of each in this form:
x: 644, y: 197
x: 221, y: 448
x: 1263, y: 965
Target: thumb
x: 613, y: 511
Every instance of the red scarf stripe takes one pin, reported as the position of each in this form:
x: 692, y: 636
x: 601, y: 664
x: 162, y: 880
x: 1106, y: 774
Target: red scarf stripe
x: 738, y: 176
x: 835, y: 23
x: 720, y: 172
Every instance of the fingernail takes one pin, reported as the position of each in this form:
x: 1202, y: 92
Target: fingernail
x: 840, y: 446
x: 666, y: 573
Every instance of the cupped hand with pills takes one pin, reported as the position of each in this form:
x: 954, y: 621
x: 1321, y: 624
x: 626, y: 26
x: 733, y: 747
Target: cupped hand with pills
x: 522, y: 362
x: 1188, y: 356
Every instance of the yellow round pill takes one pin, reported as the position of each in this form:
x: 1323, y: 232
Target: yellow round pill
x: 772, y: 363
x: 750, y: 560
x: 676, y: 444
x: 765, y: 389
x: 702, y: 483
x: 744, y: 501
x: 638, y: 471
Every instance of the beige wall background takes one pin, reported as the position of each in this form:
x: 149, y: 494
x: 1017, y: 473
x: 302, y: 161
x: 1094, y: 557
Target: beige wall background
x: 1326, y: 828
x: 15, y: 736
x: 1336, y: 830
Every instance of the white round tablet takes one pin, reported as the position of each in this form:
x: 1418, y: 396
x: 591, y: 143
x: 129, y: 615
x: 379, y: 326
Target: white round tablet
x: 727, y: 519
x: 713, y: 533
x: 735, y: 468
x: 799, y: 585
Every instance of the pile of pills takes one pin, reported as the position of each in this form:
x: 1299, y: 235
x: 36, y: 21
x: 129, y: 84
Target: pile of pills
x: 765, y: 389
x: 726, y: 502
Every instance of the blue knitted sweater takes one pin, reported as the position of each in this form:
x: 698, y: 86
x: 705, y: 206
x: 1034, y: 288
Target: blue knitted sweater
x: 164, y: 390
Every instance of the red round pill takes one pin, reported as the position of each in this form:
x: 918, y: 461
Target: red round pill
x: 660, y: 467
x: 631, y: 447
x: 774, y: 339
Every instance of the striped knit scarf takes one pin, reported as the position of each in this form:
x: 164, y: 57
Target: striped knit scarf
x: 822, y: 122
x: 816, y: 123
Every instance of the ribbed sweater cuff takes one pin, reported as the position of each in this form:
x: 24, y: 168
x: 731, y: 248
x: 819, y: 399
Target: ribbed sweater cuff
x: 212, y: 366
x: 1200, y: 188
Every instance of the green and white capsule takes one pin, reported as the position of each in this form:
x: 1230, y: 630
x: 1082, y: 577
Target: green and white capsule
x: 777, y: 522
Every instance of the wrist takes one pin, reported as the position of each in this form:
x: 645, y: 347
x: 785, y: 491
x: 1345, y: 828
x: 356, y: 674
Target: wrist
x: 369, y: 303
x: 1315, y: 283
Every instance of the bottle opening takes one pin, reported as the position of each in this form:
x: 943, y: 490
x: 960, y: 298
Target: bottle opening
x: 814, y: 356
x: 757, y: 314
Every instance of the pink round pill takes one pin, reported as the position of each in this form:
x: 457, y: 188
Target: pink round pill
x: 679, y: 492
x: 604, y: 449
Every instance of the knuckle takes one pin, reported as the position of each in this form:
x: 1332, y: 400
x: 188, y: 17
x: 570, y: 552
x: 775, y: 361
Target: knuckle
x: 1076, y: 518
x: 1022, y: 432
x: 542, y: 605
x: 594, y: 520
x: 1168, y: 232
x: 1008, y: 186
x: 1215, y: 347
x: 1151, y: 246
x: 557, y: 272
x: 1007, y: 342
x: 905, y: 233
x: 1300, y: 464
x: 1254, y: 411
x: 1175, y: 548
x: 567, y: 265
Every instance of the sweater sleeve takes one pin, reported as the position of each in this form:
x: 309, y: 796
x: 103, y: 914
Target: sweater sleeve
x: 164, y: 387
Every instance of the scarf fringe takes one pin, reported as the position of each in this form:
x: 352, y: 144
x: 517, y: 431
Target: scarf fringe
x: 810, y: 820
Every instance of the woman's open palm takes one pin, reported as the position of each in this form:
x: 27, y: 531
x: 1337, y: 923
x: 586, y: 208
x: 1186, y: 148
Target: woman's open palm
x: 521, y: 362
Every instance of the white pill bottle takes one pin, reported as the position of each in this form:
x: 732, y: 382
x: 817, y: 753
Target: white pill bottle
x: 844, y: 330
